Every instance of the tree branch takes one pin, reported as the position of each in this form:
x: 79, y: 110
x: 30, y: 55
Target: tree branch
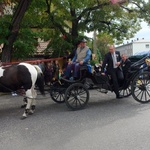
x: 56, y: 25
x: 91, y: 9
x: 129, y: 10
x: 139, y: 6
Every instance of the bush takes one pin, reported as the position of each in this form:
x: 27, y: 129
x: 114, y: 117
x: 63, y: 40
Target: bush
x: 93, y: 62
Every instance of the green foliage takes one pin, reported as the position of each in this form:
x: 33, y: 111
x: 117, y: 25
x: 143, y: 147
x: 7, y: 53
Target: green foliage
x: 58, y: 45
x: 145, y: 11
x: 32, y: 28
x: 103, y: 40
x: 26, y: 44
x: 93, y: 62
x: 99, y: 55
x: 122, y: 22
x: 4, y: 28
x: 52, y: 20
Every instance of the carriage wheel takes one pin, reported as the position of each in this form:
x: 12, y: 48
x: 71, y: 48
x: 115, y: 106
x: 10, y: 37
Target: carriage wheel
x: 76, y: 96
x: 57, y: 93
x: 126, y: 92
x: 141, y: 87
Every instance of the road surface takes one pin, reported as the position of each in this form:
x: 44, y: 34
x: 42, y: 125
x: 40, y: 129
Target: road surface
x: 106, y: 124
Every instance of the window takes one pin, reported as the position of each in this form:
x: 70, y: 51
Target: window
x: 147, y: 45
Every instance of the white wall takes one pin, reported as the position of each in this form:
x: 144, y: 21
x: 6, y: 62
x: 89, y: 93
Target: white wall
x: 139, y: 47
x: 134, y: 47
x: 126, y: 49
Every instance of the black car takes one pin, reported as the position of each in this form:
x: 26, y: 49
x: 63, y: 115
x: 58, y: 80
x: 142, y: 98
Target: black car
x: 138, y: 56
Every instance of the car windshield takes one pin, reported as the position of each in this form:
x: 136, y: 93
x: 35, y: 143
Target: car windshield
x: 142, y: 53
x: 139, y: 55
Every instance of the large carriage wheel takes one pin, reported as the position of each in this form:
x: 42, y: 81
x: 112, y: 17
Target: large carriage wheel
x: 141, y: 87
x: 126, y: 92
x: 76, y: 96
x: 57, y: 93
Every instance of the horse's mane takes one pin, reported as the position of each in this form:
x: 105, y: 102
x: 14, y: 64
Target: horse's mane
x: 38, y: 69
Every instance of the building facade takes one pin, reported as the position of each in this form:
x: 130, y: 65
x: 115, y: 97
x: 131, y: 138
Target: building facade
x: 134, y: 47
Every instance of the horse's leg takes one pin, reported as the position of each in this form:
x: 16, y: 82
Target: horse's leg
x: 24, y: 103
x: 29, y: 102
x: 22, y: 92
x: 32, y: 110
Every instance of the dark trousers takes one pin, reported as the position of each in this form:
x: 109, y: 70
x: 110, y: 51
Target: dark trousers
x: 75, y: 67
x: 113, y: 74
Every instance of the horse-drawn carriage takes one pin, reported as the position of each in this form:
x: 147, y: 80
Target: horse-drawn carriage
x: 75, y: 93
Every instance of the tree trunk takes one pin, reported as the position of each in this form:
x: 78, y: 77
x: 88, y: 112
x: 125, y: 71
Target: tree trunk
x: 14, y: 29
x: 75, y: 22
x: 74, y: 32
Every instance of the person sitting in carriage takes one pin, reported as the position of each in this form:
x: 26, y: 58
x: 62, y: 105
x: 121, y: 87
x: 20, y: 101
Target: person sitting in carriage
x: 125, y: 64
x: 82, y: 57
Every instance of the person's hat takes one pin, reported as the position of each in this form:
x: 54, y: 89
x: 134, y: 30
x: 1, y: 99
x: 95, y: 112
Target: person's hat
x: 83, y: 41
x: 78, y: 42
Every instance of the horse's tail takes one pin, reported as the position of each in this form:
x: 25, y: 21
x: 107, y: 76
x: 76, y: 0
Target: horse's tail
x: 40, y: 80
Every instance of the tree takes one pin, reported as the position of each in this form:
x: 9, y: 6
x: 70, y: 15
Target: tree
x: 102, y: 41
x: 14, y: 29
x: 70, y: 17
x: 64, y: 21
x: 144, y: 8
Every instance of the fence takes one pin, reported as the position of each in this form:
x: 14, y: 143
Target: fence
x: 60, y: 61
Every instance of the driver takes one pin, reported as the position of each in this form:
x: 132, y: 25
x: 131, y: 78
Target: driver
x: 82, y: 57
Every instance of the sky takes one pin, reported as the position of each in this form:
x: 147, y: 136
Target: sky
x: 143, y: 33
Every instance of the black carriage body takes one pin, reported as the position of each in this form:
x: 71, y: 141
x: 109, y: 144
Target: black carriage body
x: 75, y: 93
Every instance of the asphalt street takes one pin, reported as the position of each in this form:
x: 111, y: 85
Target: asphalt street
x: 106, y: 124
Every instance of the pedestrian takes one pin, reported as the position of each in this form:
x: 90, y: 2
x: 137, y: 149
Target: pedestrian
x: 57, y: 67
x: 48, y: 73
x: 41, y: 65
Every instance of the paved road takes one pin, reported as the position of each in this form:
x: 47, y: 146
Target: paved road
x: 106, y: 124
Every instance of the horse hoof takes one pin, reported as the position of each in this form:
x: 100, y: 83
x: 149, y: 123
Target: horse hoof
x: 23, y: 106
x: 23, y: 117
x: 31, y: 112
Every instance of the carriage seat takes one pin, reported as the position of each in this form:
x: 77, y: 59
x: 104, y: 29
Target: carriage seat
x: 87, y: 67
x: 84, y: 69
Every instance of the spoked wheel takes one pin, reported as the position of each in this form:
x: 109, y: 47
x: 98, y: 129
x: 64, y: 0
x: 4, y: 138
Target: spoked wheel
x: 76, y: 96
x: 57, y: 93
x: 126, y: 92
x: 141, y: 87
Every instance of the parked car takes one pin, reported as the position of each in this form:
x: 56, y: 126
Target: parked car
x: 138, y: 56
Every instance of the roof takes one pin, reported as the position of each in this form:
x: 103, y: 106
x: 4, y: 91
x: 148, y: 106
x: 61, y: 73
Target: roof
x: 137, y: 41
x: 141, y: 41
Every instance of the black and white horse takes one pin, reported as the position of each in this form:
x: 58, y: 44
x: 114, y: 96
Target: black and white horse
x: 24, y: 76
